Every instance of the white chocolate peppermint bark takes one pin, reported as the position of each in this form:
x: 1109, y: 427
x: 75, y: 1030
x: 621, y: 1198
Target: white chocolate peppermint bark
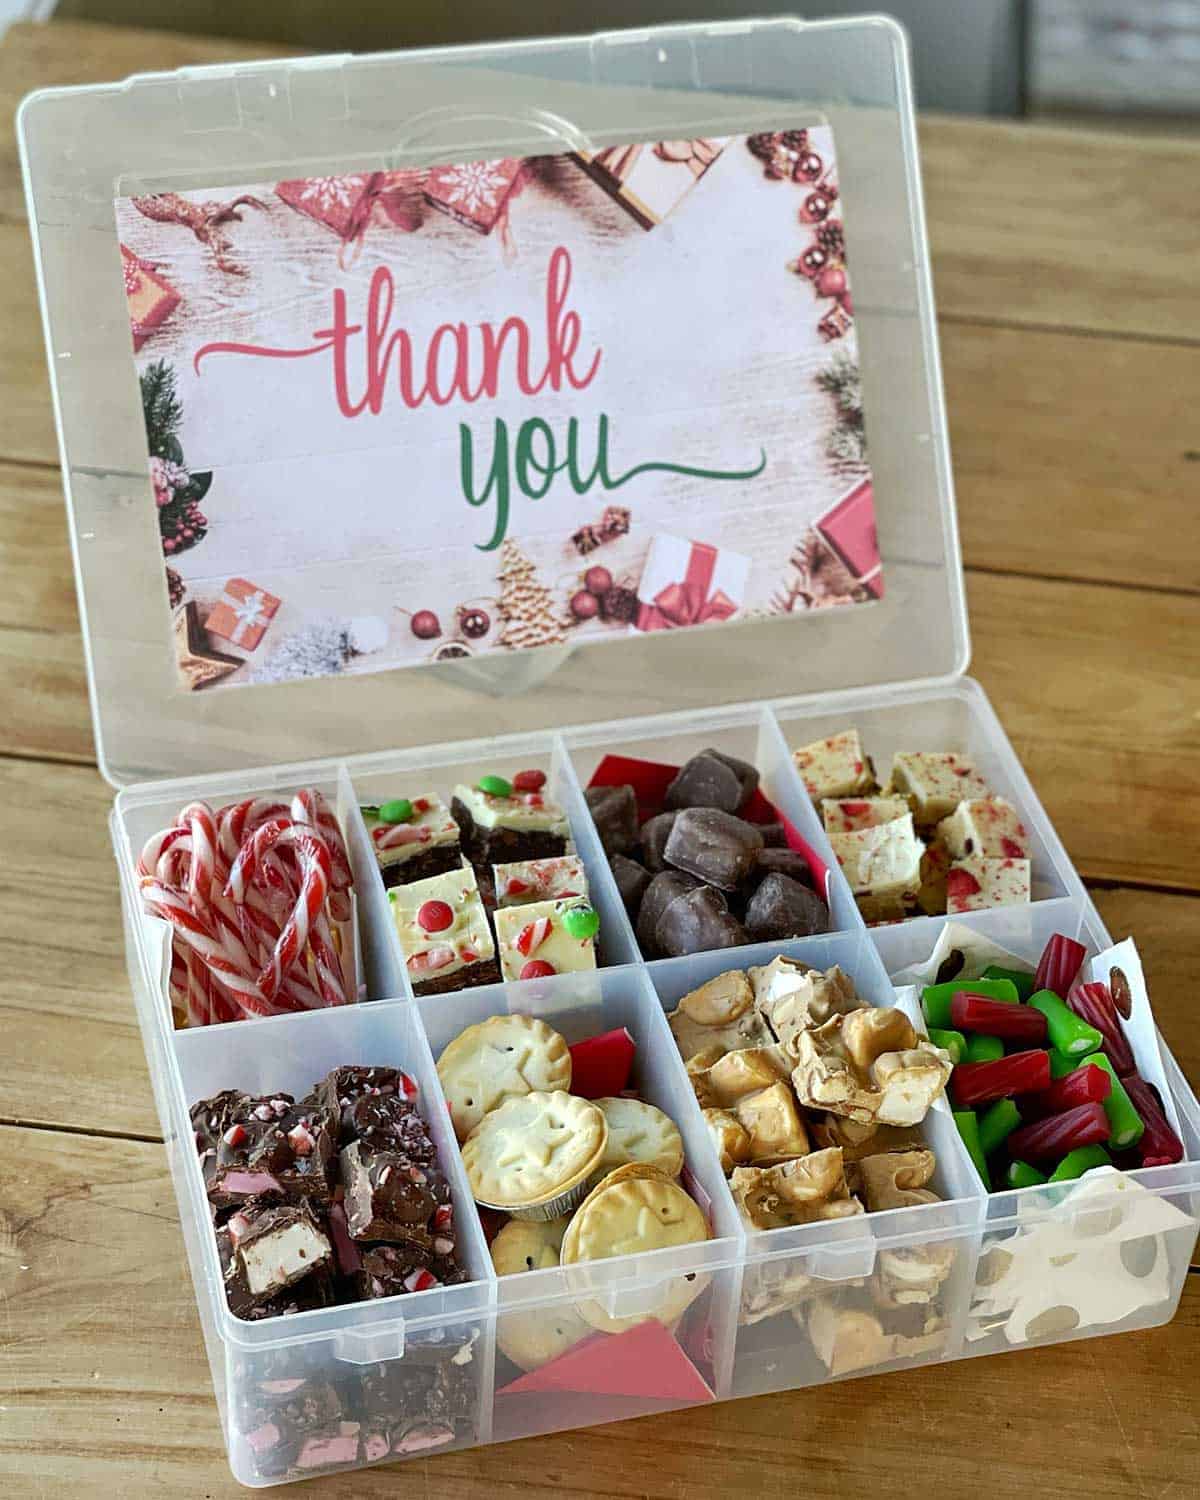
x: 442, y: 925
x: 835, y: 767
x: 547, y: 937
x: 845, y: 814
x: 523, y: 811
x: 936, y: 781
x: 529, y: 880
x: 398, y: 839
x: 976, y: 883
x: 882, y: 865
x: 987, y: 826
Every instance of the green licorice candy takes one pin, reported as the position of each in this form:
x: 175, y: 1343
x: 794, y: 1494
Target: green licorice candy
x: 1127, y: 1124
x: 1019, y: 1174
x: 952, y: 1042
x: 968, y: 1128
x: 983, y: 1049
x: 1079, y: 1161
x: 1061, y: 1064
x: 1068, y: 1032
x: 398, y: 810
x: 581, y: 922
x: 935, y: 998
x: 495, y: 786
x: 997, y: 1123
x: 1021, y: 980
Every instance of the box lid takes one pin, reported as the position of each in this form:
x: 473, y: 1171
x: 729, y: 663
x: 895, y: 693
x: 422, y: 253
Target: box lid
x: 83, y: 148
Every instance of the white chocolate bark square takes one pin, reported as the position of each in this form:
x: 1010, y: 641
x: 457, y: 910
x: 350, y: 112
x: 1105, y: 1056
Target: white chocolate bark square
x: 430, y: 827
x: 529, y: 812
x: 882, y: 865
x: 845, y: 814
x: 836, y: 767
x: 987, y: 826
x: 975, y: 883
x: 535, y: 935
x: 528, y: 880
x: 442, y: 924
x: 937, y: 781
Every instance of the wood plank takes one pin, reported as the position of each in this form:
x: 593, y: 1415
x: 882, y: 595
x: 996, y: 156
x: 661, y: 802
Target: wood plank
x: 108, y: 1389
x: 1035, y: 225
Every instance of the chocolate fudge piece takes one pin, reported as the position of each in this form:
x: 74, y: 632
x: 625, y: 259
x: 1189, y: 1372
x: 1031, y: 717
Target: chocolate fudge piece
x: 632, y: 881
x: 294, y: 1426
x: 655, y: 833
x: 661, y: 891
x: 714, y: 846
x: 276, y: 1245
x: 343, y: 1087
x: 413, y: 838
x: 425, y: 1400
x: 782, y: 908
x: 614, y: 811
x: 392, y: 1270
x: 387, y: 1196
x: 229, y: 1130
x: 712, y: 779
x: 386, y: 1122
x: 697, y: 922
x: 500, y: 823
x: 313, y: 1290
x: 297, y: 1150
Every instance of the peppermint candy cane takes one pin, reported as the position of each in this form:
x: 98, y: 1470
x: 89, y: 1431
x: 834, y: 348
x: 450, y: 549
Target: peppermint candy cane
x: 313, y: 855
x: 156, y: 846
x: 200, y: 821
x: 327, y: 962
x: 310, y: 806
x: 236, y: 822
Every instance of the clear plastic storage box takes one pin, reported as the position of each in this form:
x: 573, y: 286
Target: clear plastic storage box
x: 768, y: 1310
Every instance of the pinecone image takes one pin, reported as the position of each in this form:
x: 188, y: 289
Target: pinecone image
x: 619, y: 605
x: 762, y: 145
x: 176, y: 588
x: 794, y: 140
x: 832, y: 239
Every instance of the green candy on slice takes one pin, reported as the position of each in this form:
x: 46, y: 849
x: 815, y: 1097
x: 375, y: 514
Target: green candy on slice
x: 398, y: 810
x: 495, y: 786
x: 581, y: 922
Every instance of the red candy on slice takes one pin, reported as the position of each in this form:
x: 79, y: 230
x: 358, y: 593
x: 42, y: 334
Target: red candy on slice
x: 434, y: 916
x: 1015, y: 1023
x: 983, y: 1082
x: 1159, y: 1145
x: 529, y: 781
x: 1052, y: 1138
x: 601, y: 1065
x: 537, y: 968
x: 1060, y: 962
x: 1094, y: 1004
x: 534, y: 935
x: 1086, y: 1085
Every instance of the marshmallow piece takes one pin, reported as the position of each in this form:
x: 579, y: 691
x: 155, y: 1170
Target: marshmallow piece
x: 869, y: 1065
x: 281, y: 1247
x: 987, y: 826
x: 801, y: 1191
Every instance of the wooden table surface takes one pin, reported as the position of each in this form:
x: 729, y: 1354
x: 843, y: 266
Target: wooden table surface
x: 1070, y: 318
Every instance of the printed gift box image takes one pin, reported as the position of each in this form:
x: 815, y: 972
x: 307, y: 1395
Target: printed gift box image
x: 452, y: 347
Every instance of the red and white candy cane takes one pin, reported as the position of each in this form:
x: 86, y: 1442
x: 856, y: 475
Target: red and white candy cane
x: 310, y: 806
x: 237, y: 821
x: 200, y: 821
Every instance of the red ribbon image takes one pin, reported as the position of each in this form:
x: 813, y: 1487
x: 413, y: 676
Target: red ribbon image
x: 688, y: 602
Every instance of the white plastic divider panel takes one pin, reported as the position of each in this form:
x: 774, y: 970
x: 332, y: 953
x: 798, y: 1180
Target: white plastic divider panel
x: 618, y: 1337
x: 846, y: 1295
x: 750, y: 734
x: 375, y: 1362
x: 412, y: 773
x: 957, y: 717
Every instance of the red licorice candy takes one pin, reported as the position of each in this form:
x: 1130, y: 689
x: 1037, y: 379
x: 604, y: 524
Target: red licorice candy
x: 1015, y: 1023
x: 1021, y: 1073
x: 1060, y: 962
x: 1094, y: 1004
x: 601, y: 1065
x: 1086, y: 1085
x: 1052, y: 1138
x: 1159, y: 1145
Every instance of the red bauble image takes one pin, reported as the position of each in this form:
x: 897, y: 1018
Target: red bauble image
x: 597, y: 580
x: 811, y: 261
x: 808, y: 167
x: 425, y: 625
x: 585, y: 606
x: 817, y: 206
x: 474, y: 623
x: 831, y: 282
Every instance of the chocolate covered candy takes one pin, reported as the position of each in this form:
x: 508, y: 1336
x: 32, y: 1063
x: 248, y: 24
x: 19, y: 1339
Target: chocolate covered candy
x: 661, y: 891
x: 614, y: 811
x: 773, y: 861
x: 388, y: 1197
x: 714, y: 846
x: 343, y: 1087
x: 276, y: 1245
x: 713, y: 779
x: 655, y: 833
x: 632, y: 881
x: 782, y: 908
x: 697, y: 922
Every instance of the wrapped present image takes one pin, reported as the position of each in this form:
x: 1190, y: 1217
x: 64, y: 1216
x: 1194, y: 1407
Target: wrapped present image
x: 151, y: 299
x: 243, y: 614
x: 848, y: 530
x: 476, y: 193
x: 689, y: 583
x: 649, y: 181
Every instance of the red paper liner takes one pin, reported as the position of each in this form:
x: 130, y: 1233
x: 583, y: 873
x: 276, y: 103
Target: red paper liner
x: 650, y: 780
x: 645, y: 1362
